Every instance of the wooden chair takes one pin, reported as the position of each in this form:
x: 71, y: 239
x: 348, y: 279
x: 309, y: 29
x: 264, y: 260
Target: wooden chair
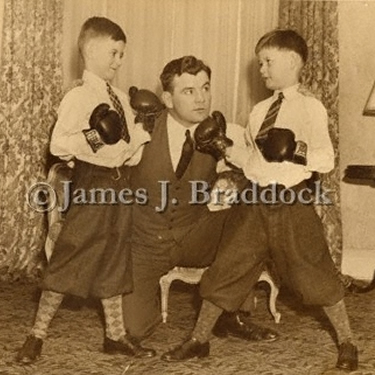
x: 194, y: 275
x: 58, y: 173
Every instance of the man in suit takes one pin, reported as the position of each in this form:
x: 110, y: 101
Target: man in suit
x: 170, y: 230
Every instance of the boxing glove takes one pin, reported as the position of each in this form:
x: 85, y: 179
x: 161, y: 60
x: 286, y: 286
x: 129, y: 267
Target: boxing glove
x: 105, y: 127
x: 147, y: 106
x: 280, y: 145
x: 210, y: 136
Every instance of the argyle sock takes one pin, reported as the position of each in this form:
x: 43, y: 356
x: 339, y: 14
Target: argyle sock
x: 48, y: 305
x: 207, y: 318
x: 339, y: 319
x: 114, y: 320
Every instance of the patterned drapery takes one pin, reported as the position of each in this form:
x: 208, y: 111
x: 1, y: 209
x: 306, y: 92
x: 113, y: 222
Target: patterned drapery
x: 31, y: 82
x: 317, y: 22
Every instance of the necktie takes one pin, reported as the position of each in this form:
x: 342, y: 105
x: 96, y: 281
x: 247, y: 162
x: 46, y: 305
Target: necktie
x: 186, y: 154
x: 118, y: 107
x: 270, y: 119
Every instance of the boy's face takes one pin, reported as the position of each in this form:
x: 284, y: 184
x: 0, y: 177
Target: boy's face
x: 190, y: 101
x: 278, y: 68
x: 104, y: 56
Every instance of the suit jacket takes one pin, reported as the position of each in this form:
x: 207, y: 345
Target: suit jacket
x: 154, y: 171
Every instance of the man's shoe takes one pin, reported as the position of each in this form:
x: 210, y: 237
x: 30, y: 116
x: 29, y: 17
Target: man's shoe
x: 128, y: 346
x: 30, y: 350
x: 189, y: 349
x: 348, y: 357
x: 232, y: 324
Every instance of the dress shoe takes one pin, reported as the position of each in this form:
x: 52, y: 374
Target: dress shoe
x: 128, y: 346
x: 348, y: 357
x: 234, y: 325
x: 189, y: 349
x: 30, y: 350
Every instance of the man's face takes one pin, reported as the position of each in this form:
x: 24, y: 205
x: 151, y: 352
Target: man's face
x: 277, y: 68
x: 104, y: 57
x: 190, y: 100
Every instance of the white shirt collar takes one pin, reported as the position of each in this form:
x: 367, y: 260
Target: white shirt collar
x: 94, y: 80
x: 288, y: 92
x: 176, y: 138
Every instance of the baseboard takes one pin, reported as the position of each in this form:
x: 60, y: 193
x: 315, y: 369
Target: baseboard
x: 358, y: 263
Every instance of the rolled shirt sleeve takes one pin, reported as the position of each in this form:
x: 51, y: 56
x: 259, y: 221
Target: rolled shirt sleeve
x: 308, y: 120
x: 68, y: 140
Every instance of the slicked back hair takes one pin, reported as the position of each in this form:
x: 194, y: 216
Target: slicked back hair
x: 186, y: 64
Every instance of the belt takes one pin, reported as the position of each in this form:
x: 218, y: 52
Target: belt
x: 115, y: 173
x: 276, y: 194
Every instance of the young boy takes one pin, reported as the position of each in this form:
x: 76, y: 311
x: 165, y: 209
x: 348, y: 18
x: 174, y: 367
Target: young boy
x: 287, y: 140
x: 96, y: 129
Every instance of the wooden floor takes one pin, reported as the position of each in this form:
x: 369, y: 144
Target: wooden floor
x: 74, y: 344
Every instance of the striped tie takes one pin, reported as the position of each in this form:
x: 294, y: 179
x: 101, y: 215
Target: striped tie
x: 269, y: 120
x: 118, y: 107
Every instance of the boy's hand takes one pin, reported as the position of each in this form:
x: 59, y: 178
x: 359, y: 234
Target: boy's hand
x: 105, y: 127
x: 210, y: 136
x: 280, y: 145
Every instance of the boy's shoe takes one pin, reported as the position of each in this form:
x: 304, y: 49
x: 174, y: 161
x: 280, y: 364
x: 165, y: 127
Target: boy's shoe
x: 127, y: 346
x: 30, y: 350
x: 348, y: 357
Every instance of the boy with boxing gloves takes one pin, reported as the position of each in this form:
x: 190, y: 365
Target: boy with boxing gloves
x: 287, y: 140
x: 95, y: 129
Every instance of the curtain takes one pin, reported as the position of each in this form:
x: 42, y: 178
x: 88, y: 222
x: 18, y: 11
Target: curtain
x: 39, y: 62
x: 317, y: 22
x: 221, y: 32
x: 31, y: 83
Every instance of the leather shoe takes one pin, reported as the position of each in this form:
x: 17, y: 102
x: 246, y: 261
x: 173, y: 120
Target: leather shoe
x: 189, y: 349
x: 348, y: 357
x: 128, y: 346
x: 232, y: 324
x: 30, y: 350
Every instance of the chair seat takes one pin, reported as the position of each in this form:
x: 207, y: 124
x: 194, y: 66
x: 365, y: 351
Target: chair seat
x: 194, y: 275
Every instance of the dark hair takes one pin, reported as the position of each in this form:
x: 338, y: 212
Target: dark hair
x: 99, y: 26
x: 284, y: 39
x: 186, y: 64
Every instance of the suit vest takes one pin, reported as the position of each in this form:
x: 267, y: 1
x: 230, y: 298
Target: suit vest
x: 169, y: 212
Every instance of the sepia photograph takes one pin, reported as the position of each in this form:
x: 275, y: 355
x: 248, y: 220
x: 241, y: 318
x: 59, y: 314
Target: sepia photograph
x: 187, y: 187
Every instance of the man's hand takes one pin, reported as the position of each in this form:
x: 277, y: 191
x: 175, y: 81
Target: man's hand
x: 147, y: 105
x: 210, y: 136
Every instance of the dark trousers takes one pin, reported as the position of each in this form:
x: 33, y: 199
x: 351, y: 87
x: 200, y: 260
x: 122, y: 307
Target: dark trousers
x: 292, y: 237
x: 236, y: 244
x: 196, y: 249
x: 91, y: 256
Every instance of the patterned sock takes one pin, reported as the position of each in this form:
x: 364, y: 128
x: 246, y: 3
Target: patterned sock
x: 207, y: 318
x: 339, y: 319
x: 114, y: 320
x: 48, y: 305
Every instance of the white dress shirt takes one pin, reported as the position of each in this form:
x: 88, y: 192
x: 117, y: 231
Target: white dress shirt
x: 69, y: 142
x: 176, y: 138
x: 307, y: 118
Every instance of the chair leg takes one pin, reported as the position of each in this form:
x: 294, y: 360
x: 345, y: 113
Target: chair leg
x: 165, y: 283
x: 265, y: 276
x: 274, y: 293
